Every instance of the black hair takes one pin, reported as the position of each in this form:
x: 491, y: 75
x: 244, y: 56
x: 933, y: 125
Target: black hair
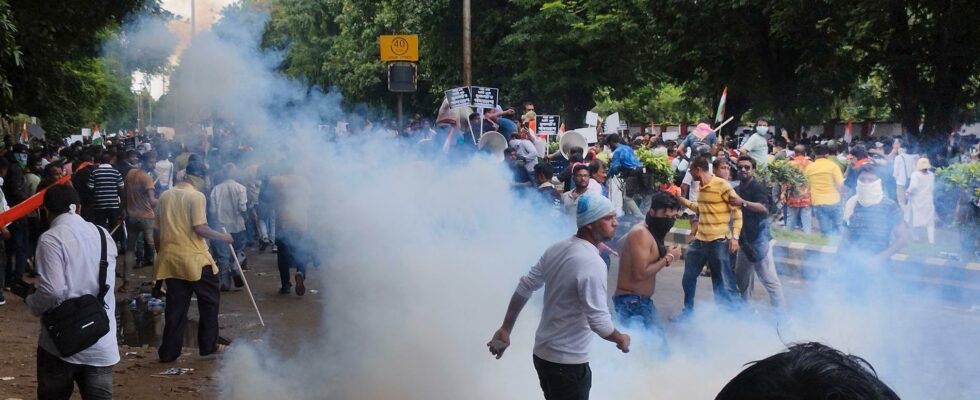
x: 808, y: 371
x: 579, y: 168
x: 105, y: 158
x: 595, y: 166
x: 859, y: 151
x: 543, y: 169
x: 718, y: 162
x: 509, y: 151
x: 749, y: 159
x: 820, y: 150
x: 613, y: 139
x: 705, y: 120
x: 664, y: 201
x: 58, y: 198
x: 699, y: 162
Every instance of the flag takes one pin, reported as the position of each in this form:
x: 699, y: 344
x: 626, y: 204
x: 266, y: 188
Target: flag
x: 720, y: 115
x: 23, y: 134
x: 847, y: 131
x: 96, y: 135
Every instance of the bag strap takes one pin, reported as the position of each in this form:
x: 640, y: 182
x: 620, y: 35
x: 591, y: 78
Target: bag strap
x: 103, y: 267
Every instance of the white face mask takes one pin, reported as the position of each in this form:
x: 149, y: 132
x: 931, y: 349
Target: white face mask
x: 762, y: 130
x: 870, y: 193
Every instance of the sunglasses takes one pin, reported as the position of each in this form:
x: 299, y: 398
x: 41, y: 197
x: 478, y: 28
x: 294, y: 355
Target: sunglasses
x: 744, y: 167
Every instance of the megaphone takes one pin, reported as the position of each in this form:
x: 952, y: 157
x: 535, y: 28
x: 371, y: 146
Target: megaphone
x: 493, y: 143
x: 571, y: 140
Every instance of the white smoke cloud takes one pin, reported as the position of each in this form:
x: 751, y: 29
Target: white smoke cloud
x: 420, y: 256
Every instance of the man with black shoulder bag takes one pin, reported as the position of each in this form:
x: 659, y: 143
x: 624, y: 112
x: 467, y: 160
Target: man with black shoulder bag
x: 74, y: 298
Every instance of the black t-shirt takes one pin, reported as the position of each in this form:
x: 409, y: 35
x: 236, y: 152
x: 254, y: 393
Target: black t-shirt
x: 754, y: 223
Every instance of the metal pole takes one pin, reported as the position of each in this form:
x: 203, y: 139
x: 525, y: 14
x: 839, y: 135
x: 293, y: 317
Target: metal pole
x: 193, y: 19
x: 238, y: 267
x: 467, y: 54
x: 400, y: 112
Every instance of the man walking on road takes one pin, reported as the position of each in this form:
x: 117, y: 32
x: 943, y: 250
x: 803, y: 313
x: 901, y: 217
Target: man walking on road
x: 186, y: 265
x: 754, y: 254
x: 574, y: 277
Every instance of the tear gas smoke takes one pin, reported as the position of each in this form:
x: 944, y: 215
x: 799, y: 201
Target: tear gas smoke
x: 420, y: 257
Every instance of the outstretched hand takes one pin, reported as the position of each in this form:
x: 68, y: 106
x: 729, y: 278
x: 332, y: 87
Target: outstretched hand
x: 499, y: 342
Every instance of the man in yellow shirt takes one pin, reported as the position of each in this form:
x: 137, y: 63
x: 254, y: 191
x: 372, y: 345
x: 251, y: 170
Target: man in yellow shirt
x: 714, y: 241
x: 825, y: 179
x: 184, y: 262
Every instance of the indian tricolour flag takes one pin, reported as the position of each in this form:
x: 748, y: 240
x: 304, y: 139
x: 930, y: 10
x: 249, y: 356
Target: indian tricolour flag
x: 96, y: 134
x: 720, y: 115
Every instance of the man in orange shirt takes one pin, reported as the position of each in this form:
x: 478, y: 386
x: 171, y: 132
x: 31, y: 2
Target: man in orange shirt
x: 139, y: 200
x: 798, y: 199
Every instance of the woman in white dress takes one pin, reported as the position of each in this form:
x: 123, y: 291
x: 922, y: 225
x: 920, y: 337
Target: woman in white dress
x: 921, y: 213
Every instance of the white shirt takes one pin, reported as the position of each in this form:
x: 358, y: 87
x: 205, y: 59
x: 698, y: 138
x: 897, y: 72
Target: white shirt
x: 525, y: 151
x: 228, y: 202
x: 574, y: 280
x: 164, y: 170
x: 903, y: 168
x: 68, y: 267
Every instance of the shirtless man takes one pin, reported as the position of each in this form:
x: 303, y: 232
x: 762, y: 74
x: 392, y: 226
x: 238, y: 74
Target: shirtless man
x: 643, y: 255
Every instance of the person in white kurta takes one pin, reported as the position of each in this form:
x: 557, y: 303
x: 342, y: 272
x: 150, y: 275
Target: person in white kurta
x: 921, y: 212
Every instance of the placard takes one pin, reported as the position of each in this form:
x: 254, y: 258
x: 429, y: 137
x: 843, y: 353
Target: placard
x: 459, y: 97
x: 591, y: 118
x: 547, y: 124
x: 484, y: 97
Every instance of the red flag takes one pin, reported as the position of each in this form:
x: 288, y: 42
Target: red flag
x: 847, y: 131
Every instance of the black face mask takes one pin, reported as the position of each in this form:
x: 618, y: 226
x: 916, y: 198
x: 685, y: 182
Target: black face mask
x: 659, y: 226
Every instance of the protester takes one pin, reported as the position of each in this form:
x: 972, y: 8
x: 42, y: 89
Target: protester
x: 714, y: 240
x: 904, y: 166
x: 808, y: 371
x: 184, y: 263
x: 920, y: 211
x: 292, y: 211
x: 228, y: 204
x: 755, y: 252
x: 542, y: 177
x: 757, y: 145
x: 68, y: 263
x: 701, y: 136
x: 574, y: 278
x: 873, y: 232
x: 824, y: 180
x: 583, y: 184
x: 140, y: 201
x: 643, y: 254
x: 798, y: 199
x: 106, y: 185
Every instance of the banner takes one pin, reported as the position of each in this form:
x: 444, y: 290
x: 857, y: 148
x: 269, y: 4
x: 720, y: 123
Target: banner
x: 547, y: 124
x: 459, y: 97
x: 484, y: 97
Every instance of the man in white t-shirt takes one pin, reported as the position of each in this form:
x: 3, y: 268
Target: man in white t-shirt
x: 574, y: 278
x: 757, y: 145
x: 903, y: 167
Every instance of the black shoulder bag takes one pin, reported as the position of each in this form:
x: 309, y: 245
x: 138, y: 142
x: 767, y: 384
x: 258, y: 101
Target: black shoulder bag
x: 78, y: 323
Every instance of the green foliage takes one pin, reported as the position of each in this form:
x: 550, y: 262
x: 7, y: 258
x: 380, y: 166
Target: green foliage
x: 964, y: 176
x: 779, y: 172
x: 657, y: 165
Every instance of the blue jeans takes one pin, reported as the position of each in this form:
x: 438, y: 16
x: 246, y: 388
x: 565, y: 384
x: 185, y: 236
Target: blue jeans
x: 222, y: 256
x: 267, y: 222
x: 632, y: 308
x: 800, y: 217
x: 829, y: 218
x: 714, y: 253
x: 294, y: 252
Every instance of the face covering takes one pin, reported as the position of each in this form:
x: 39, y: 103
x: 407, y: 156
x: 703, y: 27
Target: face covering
x: 196, y: 181
x: 870, y: 193
x: 762, y: 129
x: 659, y: 226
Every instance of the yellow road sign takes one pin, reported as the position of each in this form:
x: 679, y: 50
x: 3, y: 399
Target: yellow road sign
x: 399, y: 47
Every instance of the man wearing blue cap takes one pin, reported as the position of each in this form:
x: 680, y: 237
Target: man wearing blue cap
x: 574, y: 277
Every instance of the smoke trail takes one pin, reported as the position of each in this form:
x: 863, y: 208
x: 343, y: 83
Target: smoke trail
x: 420, y: 256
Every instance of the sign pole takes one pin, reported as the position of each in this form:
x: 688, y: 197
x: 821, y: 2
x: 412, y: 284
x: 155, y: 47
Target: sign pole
x: 467, y: 54
x: 399, y: 112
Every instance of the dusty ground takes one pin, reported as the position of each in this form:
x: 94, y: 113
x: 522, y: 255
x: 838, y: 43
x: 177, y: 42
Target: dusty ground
x: 137, y: 376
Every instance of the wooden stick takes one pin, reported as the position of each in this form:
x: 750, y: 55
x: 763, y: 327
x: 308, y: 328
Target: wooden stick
x: 234, y: 256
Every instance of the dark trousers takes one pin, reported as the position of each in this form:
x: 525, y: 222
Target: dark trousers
x: 563, y: 381
x: 293, y: 253
x: 175, y: 314
x: 17, y: 249
x: 106, y: 218
x: 56, y: 379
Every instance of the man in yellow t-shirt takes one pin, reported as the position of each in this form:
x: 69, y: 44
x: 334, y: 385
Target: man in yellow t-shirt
x: 824, y: 178
x: 715, y: 241
x: 184, y: 263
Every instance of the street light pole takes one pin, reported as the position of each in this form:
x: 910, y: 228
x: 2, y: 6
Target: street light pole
x: 467, y: 54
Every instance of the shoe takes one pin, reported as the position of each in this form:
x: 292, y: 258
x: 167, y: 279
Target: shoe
x: 275, y: 249
x: 264, y: 245
x: 2, y: 300
x: 300, y: 287
x: 682, y: 316
x: 239, y: 282
x: 284, y: 290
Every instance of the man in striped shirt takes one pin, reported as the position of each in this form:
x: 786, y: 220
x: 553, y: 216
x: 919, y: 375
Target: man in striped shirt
x: 106, y: 184
x: 715, y: 239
